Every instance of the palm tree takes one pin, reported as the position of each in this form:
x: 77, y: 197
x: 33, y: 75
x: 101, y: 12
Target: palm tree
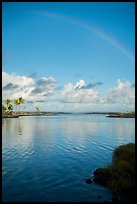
x: 20, y: 100
x: 10, y: 108
x: 7, y: 104
x: 37, y: 109
x: 3, y: 109
x: 16, y: 102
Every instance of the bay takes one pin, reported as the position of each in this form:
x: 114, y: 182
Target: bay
x: 48, y: 158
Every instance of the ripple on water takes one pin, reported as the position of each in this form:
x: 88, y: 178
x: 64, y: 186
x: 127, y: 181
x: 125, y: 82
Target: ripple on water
x: 52, y: 157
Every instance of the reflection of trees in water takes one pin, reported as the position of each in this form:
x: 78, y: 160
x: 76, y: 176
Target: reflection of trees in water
x: 13, y: 131
x: 47, y: 131
x: 23, y: 132
x: 8, y: 130
x: 19, y: 127
x: 16, y: 125
x: 12, y: 124
x: 7, y: 123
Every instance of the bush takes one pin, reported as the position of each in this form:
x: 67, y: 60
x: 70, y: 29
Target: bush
x: 125, y: 153
x: 119, y: 176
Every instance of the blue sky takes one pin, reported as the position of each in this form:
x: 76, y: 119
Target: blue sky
x: 85, y: 44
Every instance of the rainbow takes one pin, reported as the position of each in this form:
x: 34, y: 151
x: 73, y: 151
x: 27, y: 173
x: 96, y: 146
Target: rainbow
x: 105, y: 36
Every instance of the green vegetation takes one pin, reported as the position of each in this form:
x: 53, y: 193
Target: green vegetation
x: 3, y: 109
x: 37, y: 109
x: 16, y: 103
x: 119, y: 176
x: 20, y: 101
x: 7, y: 102
x: 8, y: 109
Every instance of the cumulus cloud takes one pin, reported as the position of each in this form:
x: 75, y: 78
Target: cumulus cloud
x: 15, y: 86
x: 121, y: 97
x: 16, y: 79
x: 71, y: 97
x: 123, y: 93
x: 44, y: 86
x: 81, y: 85
x: 76, y: 94
x: 10, y: 86
x: 90, y: 85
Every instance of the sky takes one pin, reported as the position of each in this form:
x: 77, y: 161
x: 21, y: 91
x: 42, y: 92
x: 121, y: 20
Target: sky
x: 74, y: 57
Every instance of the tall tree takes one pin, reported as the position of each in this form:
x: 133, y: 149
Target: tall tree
x: 7, y: 104
x: 21, y: 100
x: 16, y: 102
x: 10, y: 108
x: 37, y: 109
x: 3, y: 109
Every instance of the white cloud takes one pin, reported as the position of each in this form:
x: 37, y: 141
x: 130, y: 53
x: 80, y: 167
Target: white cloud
x: 80, y: 84
x: 123, y: 93
x: 15, y: 86
x: 23, y: 85
x: 119, y: 98
x: 74, y: 94
x: 72, y: 97
x: 16, y: 79
x: 44, y: 87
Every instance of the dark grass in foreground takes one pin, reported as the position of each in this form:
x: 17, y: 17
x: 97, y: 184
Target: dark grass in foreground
x: 119, y: 176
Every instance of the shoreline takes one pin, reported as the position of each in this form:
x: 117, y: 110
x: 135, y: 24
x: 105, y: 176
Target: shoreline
x: 122, y: 115
x: 27, y: 114
x: 119, y: 175
x: 10, y: 116
x: 108, y: 114
x: 17, y: 115
x: 115, y: 114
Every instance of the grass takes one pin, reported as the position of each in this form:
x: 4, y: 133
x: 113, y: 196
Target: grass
x: 119, y: 176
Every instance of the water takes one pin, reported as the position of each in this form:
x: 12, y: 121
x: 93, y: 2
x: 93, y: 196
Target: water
x: 47, y: 158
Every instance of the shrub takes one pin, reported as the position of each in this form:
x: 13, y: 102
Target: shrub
x: 119, y: 176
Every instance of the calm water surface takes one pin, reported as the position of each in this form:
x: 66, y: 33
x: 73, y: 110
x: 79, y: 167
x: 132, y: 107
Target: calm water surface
x: 48, y: 158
